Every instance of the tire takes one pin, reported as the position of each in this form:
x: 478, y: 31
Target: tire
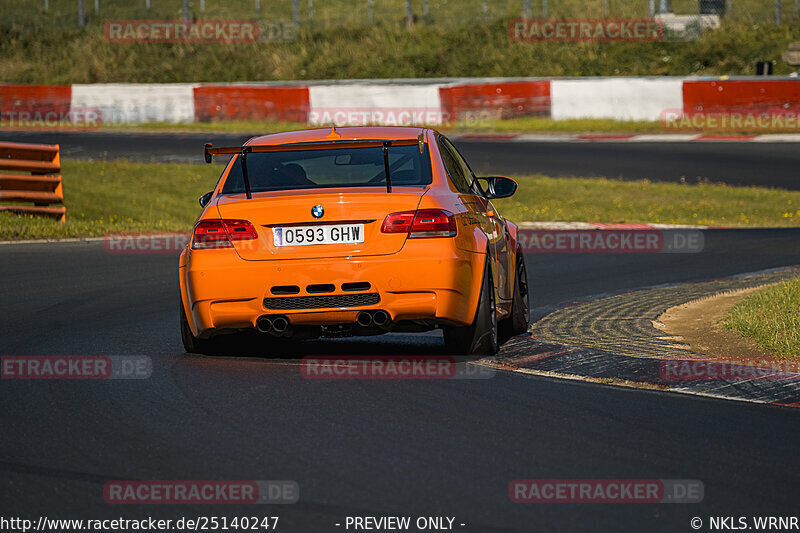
x: 245, y: 343
x: 518, y: 320
x: 191, y: 343
x: 480, y: 338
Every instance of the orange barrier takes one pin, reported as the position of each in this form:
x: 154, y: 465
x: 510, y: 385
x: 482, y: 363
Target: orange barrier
x: 39, y: 97
x: 40, y: 188
x: 250, y: 102
x: 726, y: 96
x: 501, y: 100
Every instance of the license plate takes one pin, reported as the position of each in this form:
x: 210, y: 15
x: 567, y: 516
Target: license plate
x: 308, y: 235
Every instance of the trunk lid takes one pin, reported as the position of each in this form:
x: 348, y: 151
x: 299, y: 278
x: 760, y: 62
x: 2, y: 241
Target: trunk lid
x: 342, y: 206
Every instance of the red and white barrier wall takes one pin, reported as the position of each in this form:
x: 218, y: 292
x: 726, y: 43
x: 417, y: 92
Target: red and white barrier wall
x: 401, y: 101
x: 35, y: 96
x: 137, y: 102
x: 626, y: 99
x: 249, y: 102
x: 754, y: 95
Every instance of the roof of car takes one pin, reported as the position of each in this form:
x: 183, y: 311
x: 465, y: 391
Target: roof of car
x: 385, y: 133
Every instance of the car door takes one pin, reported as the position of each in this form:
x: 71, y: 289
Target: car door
x: 491, y: 222
x: 503, y: 252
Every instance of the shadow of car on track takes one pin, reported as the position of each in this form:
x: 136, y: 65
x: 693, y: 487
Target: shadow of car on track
x: 257, y: 345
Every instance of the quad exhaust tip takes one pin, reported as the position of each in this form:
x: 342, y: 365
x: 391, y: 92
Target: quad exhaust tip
x: 280, y: 325
x: 379, y: 318
x: 275, y: 325
x: 264, y: 324
x: 364, y: 319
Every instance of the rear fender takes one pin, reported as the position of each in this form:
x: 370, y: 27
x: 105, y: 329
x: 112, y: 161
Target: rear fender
x: 513, y: 231
x: 184, y: 298
x: 469, y: 234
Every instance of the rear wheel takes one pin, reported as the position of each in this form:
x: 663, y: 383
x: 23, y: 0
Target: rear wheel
x: 480, y: 338
x: 191, y: 343
x: 244, y: 343
x: 518, y: 320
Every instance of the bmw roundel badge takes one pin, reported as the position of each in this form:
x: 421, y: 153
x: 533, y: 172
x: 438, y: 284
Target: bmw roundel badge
x: 317, y: 211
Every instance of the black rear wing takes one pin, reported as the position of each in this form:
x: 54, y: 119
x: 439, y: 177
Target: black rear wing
x: 242, y: 151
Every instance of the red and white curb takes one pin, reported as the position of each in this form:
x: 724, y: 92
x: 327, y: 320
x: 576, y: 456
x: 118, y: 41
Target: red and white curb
x: 528, y: 355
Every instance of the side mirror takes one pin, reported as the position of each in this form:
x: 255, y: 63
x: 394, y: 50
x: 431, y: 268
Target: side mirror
x: 498, y: 187
x: 205, y: 198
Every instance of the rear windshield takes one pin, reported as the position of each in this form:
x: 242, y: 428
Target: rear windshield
x: 345, y: 167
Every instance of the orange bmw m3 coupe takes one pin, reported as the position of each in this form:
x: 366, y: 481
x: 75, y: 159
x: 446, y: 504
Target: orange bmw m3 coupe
x: 352, y: 231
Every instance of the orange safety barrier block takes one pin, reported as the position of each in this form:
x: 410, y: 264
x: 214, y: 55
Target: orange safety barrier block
x: 41, y: 188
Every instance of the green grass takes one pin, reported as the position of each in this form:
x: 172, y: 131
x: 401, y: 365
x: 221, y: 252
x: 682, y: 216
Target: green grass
x: 513, y: 125
x: 603, y: 200
x: 771, y: 317
x: 120, y: 196
x: 547, y: 125
x: 252, y: 127
x: 483, y: 126
x: 355, y: 12
x: 388, y: 50
x: 103, y: 197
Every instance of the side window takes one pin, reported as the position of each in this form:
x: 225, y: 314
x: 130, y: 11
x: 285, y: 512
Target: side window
x: 470, y: 175
x: 454, y: 166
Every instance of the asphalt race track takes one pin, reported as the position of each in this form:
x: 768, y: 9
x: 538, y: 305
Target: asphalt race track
x: 409, y: 448
x: 736, y: 163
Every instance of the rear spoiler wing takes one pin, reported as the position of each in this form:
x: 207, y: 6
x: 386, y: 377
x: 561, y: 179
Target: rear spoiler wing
x: 210, y: 152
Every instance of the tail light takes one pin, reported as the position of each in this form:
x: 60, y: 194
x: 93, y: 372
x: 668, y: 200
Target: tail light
x: 220, y: 233
x: 421, y: 224
x: 398, y: 222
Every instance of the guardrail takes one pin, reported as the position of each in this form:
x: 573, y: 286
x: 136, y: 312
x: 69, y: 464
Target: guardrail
x: 41, y: 188
x: 420, y: 101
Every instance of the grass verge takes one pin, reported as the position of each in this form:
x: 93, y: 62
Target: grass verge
x: 771, y: 317
x: 512, y: 125
x: 355, y: 13
x: 543, y: 198
x: 490, y: 126
x: 47, y: 55
x: 116, y: 196
x: 112, y: 196
x: 245, y: 127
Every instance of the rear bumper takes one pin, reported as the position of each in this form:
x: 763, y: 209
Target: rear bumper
x: 427, y: 279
